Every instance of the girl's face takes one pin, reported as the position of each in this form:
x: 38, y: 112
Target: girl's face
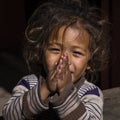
x: 75, y: 44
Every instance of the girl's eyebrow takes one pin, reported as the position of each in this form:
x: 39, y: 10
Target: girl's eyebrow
x: 55, y: 43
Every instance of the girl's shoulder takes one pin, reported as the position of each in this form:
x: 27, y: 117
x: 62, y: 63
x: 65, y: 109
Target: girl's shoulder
x: 89, y: 88
x: 30, y: 78
x: 28, y: 81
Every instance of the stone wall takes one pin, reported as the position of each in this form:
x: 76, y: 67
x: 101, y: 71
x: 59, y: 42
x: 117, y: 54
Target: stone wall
x: 112, y: 104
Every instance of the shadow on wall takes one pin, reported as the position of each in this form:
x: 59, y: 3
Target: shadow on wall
x: 12, y: 68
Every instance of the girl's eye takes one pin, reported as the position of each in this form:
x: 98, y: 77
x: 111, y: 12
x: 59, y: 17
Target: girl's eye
x: 54, y: 50
x: 77, y: 53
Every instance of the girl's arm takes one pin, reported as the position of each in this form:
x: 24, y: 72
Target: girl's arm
x: 85, y: 104
x: 25, y: 100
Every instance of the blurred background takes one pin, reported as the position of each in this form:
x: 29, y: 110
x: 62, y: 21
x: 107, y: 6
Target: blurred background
x: 13, y: 20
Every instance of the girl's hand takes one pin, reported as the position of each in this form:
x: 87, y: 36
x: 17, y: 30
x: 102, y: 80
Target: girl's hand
x: 60, y: 76
x: 63, y: 75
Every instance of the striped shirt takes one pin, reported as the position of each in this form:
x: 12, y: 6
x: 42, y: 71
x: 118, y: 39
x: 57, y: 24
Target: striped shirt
x: 84, y: 102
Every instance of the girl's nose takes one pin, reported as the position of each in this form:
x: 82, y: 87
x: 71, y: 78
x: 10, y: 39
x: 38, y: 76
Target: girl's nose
x: 70, y: 62
x: 68, y: 57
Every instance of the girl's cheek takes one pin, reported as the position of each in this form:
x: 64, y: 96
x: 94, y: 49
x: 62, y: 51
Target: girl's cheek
x: 52, y: 62
x: 72, y: 68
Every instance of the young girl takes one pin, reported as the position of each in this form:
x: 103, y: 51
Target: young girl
x: 66, y: 40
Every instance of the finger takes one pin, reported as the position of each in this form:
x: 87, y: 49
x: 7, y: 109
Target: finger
x: 63, y: 62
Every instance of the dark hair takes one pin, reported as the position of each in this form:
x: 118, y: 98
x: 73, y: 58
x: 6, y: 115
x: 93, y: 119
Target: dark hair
x: 52, y: 15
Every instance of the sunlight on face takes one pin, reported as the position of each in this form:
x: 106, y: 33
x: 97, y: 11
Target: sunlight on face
x: 74, y: 42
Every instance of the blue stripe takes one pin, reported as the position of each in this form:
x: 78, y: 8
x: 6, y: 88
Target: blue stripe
x: 93, y: 92
x: 24, y: 83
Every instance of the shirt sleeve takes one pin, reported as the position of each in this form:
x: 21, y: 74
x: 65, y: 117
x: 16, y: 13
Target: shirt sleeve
x: 83, y: 104
x: 22, y: 99
x: 92, y: 98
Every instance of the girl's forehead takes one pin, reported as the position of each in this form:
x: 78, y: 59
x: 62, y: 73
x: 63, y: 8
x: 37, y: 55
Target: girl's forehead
x: 71, y: 38
x: 69, y: 32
